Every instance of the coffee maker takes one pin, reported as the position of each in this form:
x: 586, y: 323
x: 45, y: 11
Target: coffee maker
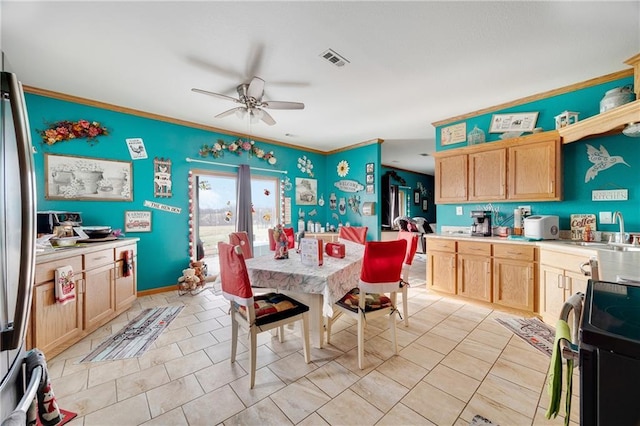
x: 481, y: 226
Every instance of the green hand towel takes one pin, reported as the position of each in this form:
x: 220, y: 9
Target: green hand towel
x: 555, y: 374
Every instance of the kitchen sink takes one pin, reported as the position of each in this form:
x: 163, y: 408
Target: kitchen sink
x: 623, y: 247
x: 588, y: 243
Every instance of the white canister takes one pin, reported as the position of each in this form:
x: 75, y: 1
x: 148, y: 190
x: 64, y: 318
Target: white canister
x: 300, y: 225
x: 317, y: 227
x: 311, y: 227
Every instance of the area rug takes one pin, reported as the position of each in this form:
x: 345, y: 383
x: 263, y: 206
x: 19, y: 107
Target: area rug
x: 136, y: 337
x: 533, y: 331
x: 67, y: 416
x: 478, y: 420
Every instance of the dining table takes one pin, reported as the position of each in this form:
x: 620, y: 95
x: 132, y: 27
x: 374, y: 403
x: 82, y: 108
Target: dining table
x: 318, y: 286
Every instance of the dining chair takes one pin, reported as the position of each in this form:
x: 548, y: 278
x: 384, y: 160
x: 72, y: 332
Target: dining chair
x: 256, y: 313
x: 357, y: 234
x: 241, y: 238
x: 412, y: 246
x: 380, y: 273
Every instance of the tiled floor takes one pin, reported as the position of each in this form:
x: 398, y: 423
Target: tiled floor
x: 455, y: 362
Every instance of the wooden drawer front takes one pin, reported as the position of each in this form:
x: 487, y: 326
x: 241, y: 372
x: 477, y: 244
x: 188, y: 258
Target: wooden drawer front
x: 514, y: 251
x: 441, y: 245
x: 120, y: 250
x: 46, y: 271
x: 474, y: 247
x: 98, y: 258
x: 565, y: 261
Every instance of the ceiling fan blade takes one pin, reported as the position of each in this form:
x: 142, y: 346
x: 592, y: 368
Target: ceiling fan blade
x: 254, y: 60
x: 282, y: 105
x: 217, y: 95
x: 231, y: 112
x: 268, y: 119
x: 256, y: 88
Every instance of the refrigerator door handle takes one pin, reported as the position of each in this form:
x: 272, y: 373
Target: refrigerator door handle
x: 31, y: 390
x: 12, y: 337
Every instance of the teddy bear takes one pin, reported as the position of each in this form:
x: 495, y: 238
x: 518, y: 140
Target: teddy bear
x: 201, y: 270
x: 189, y: 280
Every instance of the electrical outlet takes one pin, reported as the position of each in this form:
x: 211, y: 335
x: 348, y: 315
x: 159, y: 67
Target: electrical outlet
x: 459, y: 211
x: 606, y: 217
x: 526, y: 210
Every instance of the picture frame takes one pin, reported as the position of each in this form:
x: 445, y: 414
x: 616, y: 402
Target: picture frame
x: 369, y: 168
x: 453, y: 134
x: 306, y: 192
x: 370, y: 189
x: 425, y: 204
x: 517, y: 122
x: 137, y: 221
x: 370, y: 179
x: 69, y: 177
x: 416, y: 197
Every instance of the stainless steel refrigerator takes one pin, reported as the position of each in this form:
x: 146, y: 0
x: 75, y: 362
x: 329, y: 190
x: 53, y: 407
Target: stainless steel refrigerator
x: 17, y: 246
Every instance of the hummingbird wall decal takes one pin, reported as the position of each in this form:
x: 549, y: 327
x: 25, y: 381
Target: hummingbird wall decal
x: 601, y: 161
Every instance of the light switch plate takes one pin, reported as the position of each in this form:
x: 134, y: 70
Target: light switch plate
x: 459, y: 211
x: 605, y: 217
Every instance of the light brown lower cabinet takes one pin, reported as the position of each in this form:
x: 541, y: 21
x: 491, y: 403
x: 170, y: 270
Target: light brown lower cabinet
x: 441, y: 265
x: 514, y: 276
x: 474, y: 270
x: 102, y: 293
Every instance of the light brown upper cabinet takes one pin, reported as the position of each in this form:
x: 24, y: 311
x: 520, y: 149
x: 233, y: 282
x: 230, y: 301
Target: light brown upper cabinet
x: 527, y: 168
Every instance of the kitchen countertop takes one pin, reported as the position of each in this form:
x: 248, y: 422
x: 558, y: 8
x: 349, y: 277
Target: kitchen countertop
x: 82, y: 248
x: 613, y: 265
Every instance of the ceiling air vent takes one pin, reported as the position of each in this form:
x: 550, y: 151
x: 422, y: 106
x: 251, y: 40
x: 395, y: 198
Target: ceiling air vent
x: 333, y: 57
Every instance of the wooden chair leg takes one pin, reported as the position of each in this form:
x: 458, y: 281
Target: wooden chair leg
x: 234, y: 336
x: 360, y: 340
x: 405, y: 304
x: 253, y: 349
x: 305, y: 337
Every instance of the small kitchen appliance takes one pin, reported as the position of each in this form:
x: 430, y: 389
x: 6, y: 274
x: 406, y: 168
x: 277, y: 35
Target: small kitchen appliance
x: 481, y: 226
x: 542, y: 227
x: 51, y: 221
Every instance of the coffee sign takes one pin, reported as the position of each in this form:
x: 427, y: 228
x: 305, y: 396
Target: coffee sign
x: 579, y: 222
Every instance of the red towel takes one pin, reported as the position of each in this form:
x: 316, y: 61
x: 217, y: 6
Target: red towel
x: 127, y: 264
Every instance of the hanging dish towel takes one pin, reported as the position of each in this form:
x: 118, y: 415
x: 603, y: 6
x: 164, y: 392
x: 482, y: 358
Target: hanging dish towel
x: 127, y: 263
x: 65, y: 286
x: 44, y: 405
x: 555, y: 374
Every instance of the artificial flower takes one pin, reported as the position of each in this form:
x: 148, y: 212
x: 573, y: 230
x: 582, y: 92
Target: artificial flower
x: 343, y: 168
x: 67, y: 130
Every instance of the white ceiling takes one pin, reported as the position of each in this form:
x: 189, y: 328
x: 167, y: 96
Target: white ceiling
x: 411, y: 63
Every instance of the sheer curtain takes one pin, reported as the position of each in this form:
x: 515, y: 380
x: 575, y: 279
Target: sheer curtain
x: 394, y: 203
x: 244, y: 217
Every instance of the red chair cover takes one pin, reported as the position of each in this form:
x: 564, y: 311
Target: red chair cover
x: 233, y: 275
x: 382, y: 263
x: 241, y: 238
x: 412, y: 245
x: 357, y: 234
x: 272, y: 240
x: 291, y: 237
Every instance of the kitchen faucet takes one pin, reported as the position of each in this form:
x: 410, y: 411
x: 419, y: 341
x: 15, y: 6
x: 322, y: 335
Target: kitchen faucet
x: 621, y: 237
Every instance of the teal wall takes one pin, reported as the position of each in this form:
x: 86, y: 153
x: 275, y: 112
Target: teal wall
x: 575, y: 163
x: 164, y: 252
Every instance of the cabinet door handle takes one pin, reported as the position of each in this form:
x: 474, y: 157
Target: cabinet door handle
x: 560, y: 281
x: 515, y: 252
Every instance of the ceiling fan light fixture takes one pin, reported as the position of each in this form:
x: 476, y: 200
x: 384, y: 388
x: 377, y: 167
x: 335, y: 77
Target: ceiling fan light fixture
x: 241, y: 113
x: 632, y: 130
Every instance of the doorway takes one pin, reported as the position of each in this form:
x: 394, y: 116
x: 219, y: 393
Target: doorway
x: 215, y: 208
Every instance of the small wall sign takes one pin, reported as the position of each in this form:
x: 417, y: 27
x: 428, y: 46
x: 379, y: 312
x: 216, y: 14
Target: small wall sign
x: 610, y: 195
x: 347, y: 185
x: 453, y: 134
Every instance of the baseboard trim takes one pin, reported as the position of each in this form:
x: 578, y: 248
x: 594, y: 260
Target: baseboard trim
x: 149, y: 292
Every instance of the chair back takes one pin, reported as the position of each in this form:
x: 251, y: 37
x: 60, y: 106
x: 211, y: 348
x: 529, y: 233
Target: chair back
x: 241, y: 238
x: 272, y: 240
x: 291, y: 237
x: 357, y: 234
x: 233, y: 275
x: 382, y: 266
x: 412, y: 245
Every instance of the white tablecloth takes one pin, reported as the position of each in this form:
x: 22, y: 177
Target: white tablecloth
x: 335, y: 278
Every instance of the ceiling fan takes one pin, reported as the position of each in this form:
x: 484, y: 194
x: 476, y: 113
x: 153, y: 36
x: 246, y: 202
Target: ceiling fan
x: 250, y: 96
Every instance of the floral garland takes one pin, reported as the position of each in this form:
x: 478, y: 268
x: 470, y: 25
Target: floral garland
x: 67, y: 130
x: 237, y: 147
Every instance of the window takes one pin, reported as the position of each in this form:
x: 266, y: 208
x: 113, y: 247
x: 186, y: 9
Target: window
x: 215, y: 208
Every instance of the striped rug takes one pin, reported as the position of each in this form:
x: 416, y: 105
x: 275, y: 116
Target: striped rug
x: 533, y: 331
x: 136, y: 337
